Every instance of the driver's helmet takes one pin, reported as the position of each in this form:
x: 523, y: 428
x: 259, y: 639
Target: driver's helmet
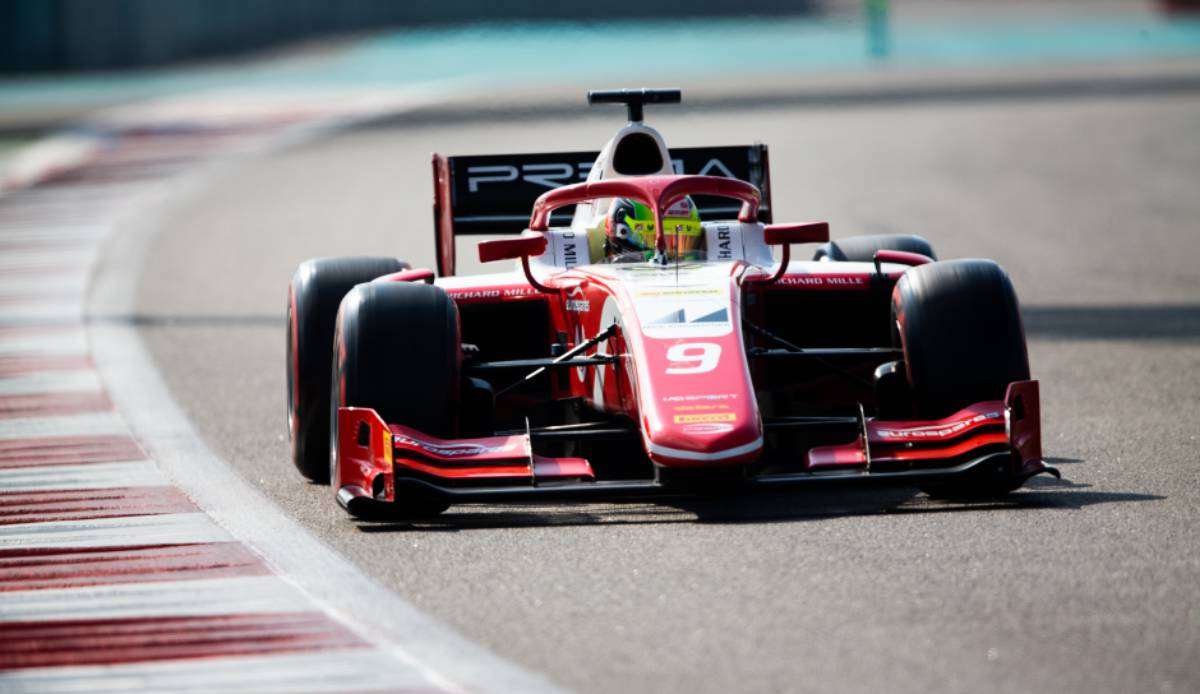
x: 629, y: 230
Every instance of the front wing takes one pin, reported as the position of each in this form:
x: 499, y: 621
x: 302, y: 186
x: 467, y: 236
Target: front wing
x: 375, y: 458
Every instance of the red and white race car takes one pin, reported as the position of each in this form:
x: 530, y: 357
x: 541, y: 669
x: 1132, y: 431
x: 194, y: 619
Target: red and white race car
x: 654, y: 343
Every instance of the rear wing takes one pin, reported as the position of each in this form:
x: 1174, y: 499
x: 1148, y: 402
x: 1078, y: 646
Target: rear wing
x: 494, y: 194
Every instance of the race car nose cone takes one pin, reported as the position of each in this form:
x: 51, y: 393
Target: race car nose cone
x: 707, y: 421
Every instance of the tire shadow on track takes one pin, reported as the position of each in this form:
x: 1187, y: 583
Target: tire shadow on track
x: 775, y: 507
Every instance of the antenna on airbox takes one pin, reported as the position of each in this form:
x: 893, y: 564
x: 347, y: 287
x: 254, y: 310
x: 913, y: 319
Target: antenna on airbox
x: 635, y: 99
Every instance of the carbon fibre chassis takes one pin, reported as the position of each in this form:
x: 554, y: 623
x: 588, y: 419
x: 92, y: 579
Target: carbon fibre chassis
x: 376, y: 459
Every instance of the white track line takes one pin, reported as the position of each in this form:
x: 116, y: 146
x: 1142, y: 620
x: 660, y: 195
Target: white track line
x: 48, y: 382
x: 210, y: 596
x: 93, y: 424
x: 134, y: 473
x: 128, y: 531
x: 337, y: 671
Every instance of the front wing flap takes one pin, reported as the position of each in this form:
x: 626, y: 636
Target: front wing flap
x: 372, y: 453
x: 375, y: 457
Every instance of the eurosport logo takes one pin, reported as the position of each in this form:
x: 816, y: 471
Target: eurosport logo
x: 454, y: 450
x: 556, y: 175
x: 937, y: 432
x: 695, y: 398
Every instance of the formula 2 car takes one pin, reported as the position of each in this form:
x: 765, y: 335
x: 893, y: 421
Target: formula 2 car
x: 652, y: 343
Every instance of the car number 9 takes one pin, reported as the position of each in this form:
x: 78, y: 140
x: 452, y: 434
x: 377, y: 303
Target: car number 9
x: 693, y: 357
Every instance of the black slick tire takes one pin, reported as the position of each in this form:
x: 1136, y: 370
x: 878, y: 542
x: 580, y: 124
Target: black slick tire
x: 959, y: 325
x: 398, y: 351
x: 314, y: 294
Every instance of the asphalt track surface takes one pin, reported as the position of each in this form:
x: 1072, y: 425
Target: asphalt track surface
x: 1089, y: 585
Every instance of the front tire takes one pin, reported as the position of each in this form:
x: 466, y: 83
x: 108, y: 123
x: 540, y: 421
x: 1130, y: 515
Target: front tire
x: 959, y: 325
x: 398, y: 352
x: 314, y: 294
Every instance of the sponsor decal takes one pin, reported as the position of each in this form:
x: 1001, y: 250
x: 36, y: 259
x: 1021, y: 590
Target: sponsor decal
x: 647, y: 269
x: 507, y: 292
x: 570, y: 249
x: 707, y: 428
x: 489, y: 174
x: 549, y: 175
x: 705, y: 418
x: 673, y: 318
x: 694, y: 304
x: 699, y: 408
x: 674, y: 292
x: 475, y: 294
x: 825, y: 281
x: 694, y: 398
x: 558, y: 174
x: 937, y: 431
x: 692, y: 313
x: 576, y: 301
x: 453, y: 450
x: 724, y: 243
x: 713, y: 167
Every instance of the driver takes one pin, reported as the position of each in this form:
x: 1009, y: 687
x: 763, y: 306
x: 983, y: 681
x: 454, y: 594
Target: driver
x: 629, y: 231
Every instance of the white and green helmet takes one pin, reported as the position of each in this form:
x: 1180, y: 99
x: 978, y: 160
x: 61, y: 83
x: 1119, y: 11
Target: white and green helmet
x: 629, y: 228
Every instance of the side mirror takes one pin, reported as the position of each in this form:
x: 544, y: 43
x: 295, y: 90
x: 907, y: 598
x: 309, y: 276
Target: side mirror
x: 527, y: 244
x: 783, y: 234
x: 899, y: 257
x: 787, y: 234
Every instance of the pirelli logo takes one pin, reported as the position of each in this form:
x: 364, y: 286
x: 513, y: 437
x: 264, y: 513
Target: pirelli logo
x: 705, y: 418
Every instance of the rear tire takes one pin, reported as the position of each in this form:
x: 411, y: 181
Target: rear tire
x: 862, y: 248
x: 398, y: 352
x: 314, y: 294
x: 959, y: 325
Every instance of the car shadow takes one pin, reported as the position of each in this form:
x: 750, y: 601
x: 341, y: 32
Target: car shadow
x: 1039, y: 493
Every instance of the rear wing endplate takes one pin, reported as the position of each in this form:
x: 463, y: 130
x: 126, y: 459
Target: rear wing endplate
x: 494, y: 194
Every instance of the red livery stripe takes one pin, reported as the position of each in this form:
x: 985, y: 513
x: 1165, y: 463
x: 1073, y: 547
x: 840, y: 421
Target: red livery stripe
x: 35, y: 329
x: 32, y: 363
x: 51, y: 404
x: 42, y: 268
x: 108, y: 641
x: 68, y: 450
x: 36, y: 297
x: 84, y: 504
x: 21, y: 570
